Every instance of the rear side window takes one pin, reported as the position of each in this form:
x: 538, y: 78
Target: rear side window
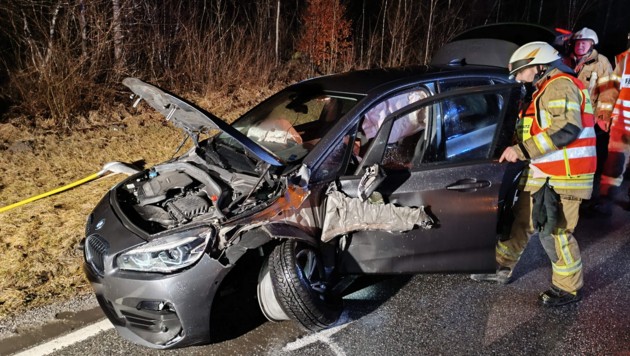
x: 469, y: 125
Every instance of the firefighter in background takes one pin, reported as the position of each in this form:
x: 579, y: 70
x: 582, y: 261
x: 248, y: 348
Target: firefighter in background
x: 594, y: 70
x: 556, y: 135
x: 619, y: 146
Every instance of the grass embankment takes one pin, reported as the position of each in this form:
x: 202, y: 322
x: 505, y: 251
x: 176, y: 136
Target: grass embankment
x: 40, y: 259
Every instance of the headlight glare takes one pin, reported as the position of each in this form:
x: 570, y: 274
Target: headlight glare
x: 167, y: 254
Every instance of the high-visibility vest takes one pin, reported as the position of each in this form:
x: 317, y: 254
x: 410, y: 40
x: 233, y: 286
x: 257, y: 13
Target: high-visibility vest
x: 576, y: 158
x: 621, y: 112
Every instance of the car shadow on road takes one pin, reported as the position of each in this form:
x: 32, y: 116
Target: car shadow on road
x: 368, y: 293
x: 235, y: 309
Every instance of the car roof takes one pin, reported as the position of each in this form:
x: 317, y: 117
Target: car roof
x: 518, y: 33
x: 491, y: 44
x: 363, y: 82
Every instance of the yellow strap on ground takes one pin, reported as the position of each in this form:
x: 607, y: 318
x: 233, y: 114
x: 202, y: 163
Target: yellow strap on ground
x: 54, y: 191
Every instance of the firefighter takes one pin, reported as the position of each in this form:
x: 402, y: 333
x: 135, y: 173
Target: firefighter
x: 594, y: 70
x: 556, y: 136
x: 619, y: 145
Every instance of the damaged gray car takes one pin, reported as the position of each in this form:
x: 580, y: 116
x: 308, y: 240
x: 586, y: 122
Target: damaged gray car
x: 385, y: 171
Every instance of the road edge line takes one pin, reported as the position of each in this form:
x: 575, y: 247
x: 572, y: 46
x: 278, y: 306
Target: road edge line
x: 68, y: 339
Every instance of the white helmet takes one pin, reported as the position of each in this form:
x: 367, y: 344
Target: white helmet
x: 531, y: 54
x: 586, y: 34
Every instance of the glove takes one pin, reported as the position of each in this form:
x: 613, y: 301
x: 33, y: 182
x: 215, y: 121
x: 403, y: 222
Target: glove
x: 603, y: 121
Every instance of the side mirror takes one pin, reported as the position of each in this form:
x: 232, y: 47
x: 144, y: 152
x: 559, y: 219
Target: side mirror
x: 372, y: 178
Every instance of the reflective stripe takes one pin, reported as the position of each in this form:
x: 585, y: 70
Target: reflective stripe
x: 603, y: 80
x: 573, y: 152
x: 604, y: 106
x: 557, y: 104
x: 574, y: 106
x: 564, y: 246
x: 583, y: 182
x: 587, y: 132
x: 544, y: 143
x: 625, y: 103
x: 571, y: 266
x: 615, y: 78
x: 544, y: 122
x: 611, y: 181
x: 626, y: 114
x: 504, y: 251
x: 586, y: 98
x: 567, y: 270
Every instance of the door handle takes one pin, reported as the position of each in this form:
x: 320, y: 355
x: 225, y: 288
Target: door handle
x: 468, y: 184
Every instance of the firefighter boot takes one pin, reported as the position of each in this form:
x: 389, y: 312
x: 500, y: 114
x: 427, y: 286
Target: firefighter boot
x: 601, y: 209
x: 502, y: 276
x: 556, y: 297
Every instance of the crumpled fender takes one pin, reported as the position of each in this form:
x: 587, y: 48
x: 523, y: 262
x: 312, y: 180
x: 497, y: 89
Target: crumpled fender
x: 257, y: 237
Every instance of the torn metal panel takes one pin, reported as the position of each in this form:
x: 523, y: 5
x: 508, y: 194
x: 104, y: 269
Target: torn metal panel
x: 286, y: 206
x: 345, y: 215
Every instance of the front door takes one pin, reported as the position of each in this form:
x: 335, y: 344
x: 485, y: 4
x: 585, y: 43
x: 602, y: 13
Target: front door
x: 450, y: 168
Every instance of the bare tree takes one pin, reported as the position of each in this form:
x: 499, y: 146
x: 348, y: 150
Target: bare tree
x: 83, y: 28
x: 432, y: 4
x: 118, y: 35
x: 277, y: 32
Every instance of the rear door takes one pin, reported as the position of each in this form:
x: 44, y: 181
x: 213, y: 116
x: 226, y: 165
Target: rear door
x: 451, y: 169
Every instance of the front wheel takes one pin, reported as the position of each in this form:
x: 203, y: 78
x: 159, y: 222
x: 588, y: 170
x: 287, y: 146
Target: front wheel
x: 299, y: 282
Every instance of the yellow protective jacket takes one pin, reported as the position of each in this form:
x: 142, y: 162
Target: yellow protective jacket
x: 558, y: 105
x: 594, y: 71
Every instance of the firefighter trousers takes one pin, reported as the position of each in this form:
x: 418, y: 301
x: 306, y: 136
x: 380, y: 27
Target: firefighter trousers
x: 561, y: 246
x: 615, y: 165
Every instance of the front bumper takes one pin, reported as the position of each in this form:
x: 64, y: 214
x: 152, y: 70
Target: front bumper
x: 162, y: 311
x: 151, y: 309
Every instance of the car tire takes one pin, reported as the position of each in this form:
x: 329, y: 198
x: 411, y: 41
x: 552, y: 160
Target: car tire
x: 267, y: 299
x: 297, y: 276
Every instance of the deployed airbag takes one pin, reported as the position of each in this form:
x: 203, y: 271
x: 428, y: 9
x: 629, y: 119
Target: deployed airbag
x: 345, y: 215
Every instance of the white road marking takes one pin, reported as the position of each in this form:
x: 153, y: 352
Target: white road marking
x: 322, y: 336
x: 67, y: 340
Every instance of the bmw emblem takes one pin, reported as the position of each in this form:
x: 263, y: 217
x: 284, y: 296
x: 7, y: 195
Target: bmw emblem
x: 100, y: 224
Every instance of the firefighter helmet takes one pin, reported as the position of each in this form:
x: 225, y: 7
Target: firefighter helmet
x: 531, y: 54
x: 586, y: 34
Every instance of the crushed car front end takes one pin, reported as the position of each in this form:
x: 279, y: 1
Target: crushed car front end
x: 160, y: 243
x: 155, y: 309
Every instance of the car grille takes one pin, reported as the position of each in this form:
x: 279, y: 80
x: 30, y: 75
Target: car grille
x: 156, y: 326
x: 95, y: 250
x: 139, y: 321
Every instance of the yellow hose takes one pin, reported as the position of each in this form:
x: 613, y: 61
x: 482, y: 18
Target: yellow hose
x: 54, y: 191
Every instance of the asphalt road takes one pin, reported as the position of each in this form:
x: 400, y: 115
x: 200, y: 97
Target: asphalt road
x: 447, y: 314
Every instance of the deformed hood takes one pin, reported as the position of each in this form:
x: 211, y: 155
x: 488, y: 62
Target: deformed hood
x: 193, y: 120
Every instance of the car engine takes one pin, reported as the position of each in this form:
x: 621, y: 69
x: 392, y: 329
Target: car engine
x: 173, y: 194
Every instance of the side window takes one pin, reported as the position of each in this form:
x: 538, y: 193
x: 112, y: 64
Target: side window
x: 406, y: 140
x: 373, y: 119
x: 463, y: 83
x: 470, y: 122
x: 457, y: 128
x: 340, y: 160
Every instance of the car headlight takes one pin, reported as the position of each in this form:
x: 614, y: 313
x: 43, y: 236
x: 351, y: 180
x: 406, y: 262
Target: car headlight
x: 169, y: 253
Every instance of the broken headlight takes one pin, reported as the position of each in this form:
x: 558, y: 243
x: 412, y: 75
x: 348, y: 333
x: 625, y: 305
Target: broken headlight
x: 169, y: 253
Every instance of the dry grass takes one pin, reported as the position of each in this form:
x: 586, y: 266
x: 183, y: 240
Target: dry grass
x: 40, y: 260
